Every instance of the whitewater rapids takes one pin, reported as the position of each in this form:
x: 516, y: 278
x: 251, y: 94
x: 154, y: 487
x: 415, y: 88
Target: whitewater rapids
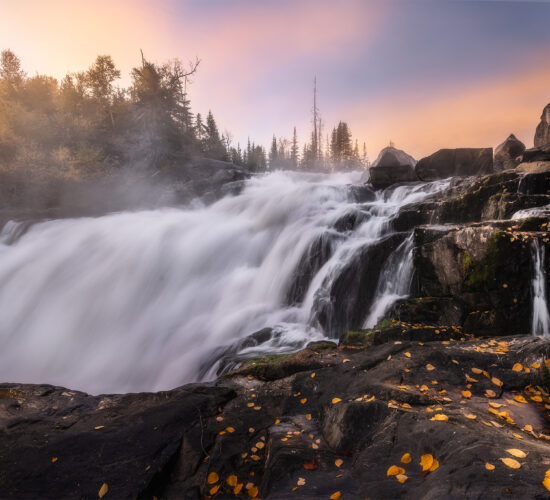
x: 138, y: 301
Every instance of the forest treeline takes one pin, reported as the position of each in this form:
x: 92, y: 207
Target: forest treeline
x: 87, y: 125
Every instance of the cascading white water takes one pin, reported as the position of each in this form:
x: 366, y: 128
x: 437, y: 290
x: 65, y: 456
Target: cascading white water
x: 140, y: 300
x: 541, y: 317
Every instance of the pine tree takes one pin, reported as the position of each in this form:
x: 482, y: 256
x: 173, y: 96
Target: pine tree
x: 294, y: 150
x: 273, y: 154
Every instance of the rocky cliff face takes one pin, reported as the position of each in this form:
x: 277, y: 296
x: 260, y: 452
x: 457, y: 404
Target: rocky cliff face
x: 542, y: 134
x: 508, y: 154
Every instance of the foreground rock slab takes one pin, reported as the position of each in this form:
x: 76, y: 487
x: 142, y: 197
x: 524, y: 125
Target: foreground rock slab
x: 458, y: 417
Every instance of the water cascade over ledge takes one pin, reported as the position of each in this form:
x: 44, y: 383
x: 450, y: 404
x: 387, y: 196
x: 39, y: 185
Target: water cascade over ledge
x: 541, y: 317
x: 150, y: 300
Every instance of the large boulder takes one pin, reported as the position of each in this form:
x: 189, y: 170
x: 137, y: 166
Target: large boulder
x: 455, y: 162
x: 507, y: 154
x: 391, y: 167
x: 542, y: 134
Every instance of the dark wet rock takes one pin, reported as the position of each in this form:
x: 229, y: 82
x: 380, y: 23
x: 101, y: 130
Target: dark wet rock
x: 315, y: 256
x: 487, y: 269
x: 455, y: 162
x: 336, y: 424
x: 430, y: 310
x: 541, y: 153
x: 508, y: 154
x: 542, y: 134
x: 343, y: 300
x: 392, y: 166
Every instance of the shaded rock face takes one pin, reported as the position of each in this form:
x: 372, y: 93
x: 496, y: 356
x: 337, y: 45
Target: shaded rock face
x: 455, y: 162
x: 391, y: 167
x: 326, y: 420
x: 542, y: 134
x: 508, y: 154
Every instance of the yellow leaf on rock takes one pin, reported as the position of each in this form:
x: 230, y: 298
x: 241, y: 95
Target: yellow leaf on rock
x: 496, y: 381
x: 401, y: 478
x: 466, y: 394
x: 253, y: 492
x: 54, y: 459
x: 489, y: 466
x: 336, y: 496
x: 214, y: 489
x: 231, y: 430
x: 394, y: 471
x: 536, y: 366
x: 308, y: 416
x: 546, y: 481
x: 312, y: 375
x: 435, y: 465
x: 338, y: 462
x: 232, y: 480
x: 430, y: 367
x: 510, y: 462
x: 440, y: 417
x: 237, y: 489
x: 103, y: 490
x: 335, y: 400
x: 303, y: 401
x: 516, y: 453
x: 212, y: 478
x: 471, y: 416
x: 490, y: 394
x: 517, y: 367
x: 301, y: 481
x: 528, y: 428
x: 426, y: 461
x: 406, y: 458
x: 408, y: 354
x: 477, y: 371
x: 537, y: 399
x: 520, y: 399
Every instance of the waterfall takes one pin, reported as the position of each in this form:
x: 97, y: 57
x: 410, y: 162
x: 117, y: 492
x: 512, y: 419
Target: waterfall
x: 394, y: 282
x: 541, y: 317
x: 149, y: 300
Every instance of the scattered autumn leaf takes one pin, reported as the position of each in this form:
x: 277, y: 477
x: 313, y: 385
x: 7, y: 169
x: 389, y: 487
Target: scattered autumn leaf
x: 466, y: 394
x: 426, y: 461
x: 520, y: 399
x: 214, y: 489
x: 212, y: 478
x: 516, y: 453
x: 489, y: 466
x: 408, y: 354
x: 310, y: 465
x: 496, y: 381
x: 430, y: 367
x: 394, y: 470
x: 253, y: 492
x: 546, y: 481
x: 338, y: 462
x: 335, y: 400
x: 303, y: 401
x: 336, y: 496
x: 54, y: 459
x: 477, y: 371
x: 440, y: 417
x: 301, y: 481
x: 517, y: 367
x: 490, y: 394
x: 312, y: 375
x: 471, y: 416
x: 237, y: 489
x: 308, y: 416
x: 231, y: 430
x: 103, y: 490
x: 406, y: 458
x: 510, y: 462
x: 435, y: 465
x: 401, y: 478
x: 232, y: 480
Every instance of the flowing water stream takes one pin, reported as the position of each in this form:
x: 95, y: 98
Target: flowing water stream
x: 541, y: 317
x: 150, y: 300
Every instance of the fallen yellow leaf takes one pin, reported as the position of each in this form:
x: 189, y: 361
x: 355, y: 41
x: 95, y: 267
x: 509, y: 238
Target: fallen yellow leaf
x: 214, y: 489
x: 103, y: 490
x: 338, y: 462
x: 426, y: 461
x: 301, y: 481
x: 537, y: 399
x: 430, y: 367
x: 303, y: 401
x: 312, y: 375
x: 496, y: 381
x: 406, y: 458
x: 440, y: 417
x: 308, y: 416
x: 466, y: 394
x: 231, y: 430
x: 237, y: 489
x: 232, y: 480
x: 336, y: 496
x: 517, y: 367
x: 536, y: 366
x: 408, y: 354
x: 546, y: 481
x: 471, y: 416
x: 477, y: 371
x: 212, y: 478
x: 489, y: 466
x: 490, y: 394
x: 516, y: 453
x: 435, y: 465
x: 54, y: 459
x: 394, y: 471
x: 510, y: 462
x: 401, y: 478
x: 253, y: 492
x: 335, y: 400
x: 520, y: 399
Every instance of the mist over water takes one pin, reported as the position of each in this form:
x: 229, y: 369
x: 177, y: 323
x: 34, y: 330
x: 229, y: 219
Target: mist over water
x: 146, y: 300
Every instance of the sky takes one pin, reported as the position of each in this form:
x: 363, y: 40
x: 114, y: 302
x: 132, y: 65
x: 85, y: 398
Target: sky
x: 425, y: 74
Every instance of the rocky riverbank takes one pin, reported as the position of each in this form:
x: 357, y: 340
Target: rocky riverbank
x: 450, y: 414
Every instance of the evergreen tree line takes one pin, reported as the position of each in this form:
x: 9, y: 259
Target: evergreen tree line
x: 87, y: 125
x: 337, y: 152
